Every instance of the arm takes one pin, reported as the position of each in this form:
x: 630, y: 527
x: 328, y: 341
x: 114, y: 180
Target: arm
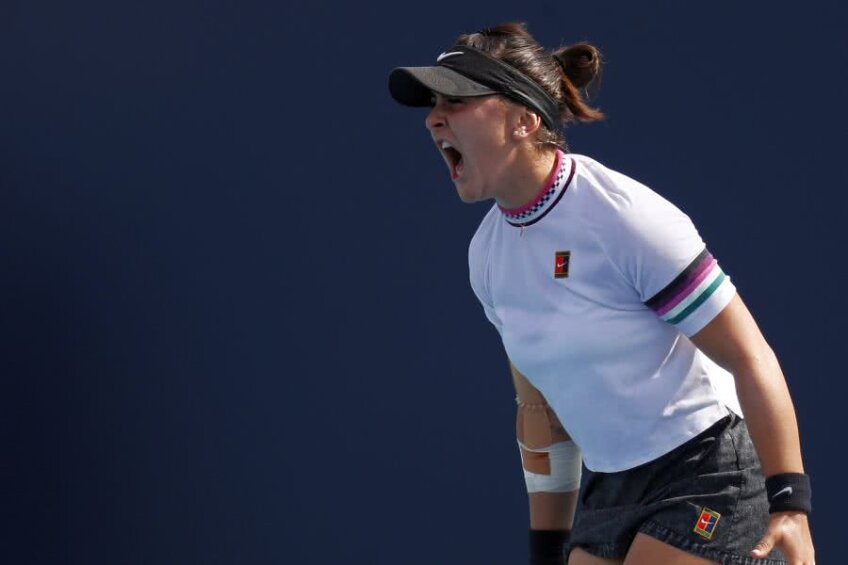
x: 548, y: 510
x: 733, y: 340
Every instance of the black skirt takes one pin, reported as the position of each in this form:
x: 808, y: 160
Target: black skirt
x: 706, y: 497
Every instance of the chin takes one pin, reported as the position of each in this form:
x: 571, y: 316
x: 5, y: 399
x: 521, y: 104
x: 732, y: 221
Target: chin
x: 468, y: 196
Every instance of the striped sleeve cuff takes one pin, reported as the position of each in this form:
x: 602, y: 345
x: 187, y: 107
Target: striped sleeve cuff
x: 695, y: 297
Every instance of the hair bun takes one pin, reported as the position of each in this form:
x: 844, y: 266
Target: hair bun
x: 580, y: 62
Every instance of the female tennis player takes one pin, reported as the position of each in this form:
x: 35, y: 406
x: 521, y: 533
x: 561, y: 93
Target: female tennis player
x: 629, y: 347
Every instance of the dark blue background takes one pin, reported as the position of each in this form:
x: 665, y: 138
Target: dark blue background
x: 236, y: 323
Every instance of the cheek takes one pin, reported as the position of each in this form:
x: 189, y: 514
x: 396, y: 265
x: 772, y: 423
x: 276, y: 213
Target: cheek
x: 490, y: 131
x: 489, y: 151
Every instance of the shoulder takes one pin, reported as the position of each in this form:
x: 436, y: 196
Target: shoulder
x: 623, y: 212
x: 478, y: 258
x: 648, y: 239
x: 612, y: 194
x: 481, y: 240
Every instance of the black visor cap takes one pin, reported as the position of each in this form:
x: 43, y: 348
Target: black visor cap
x: 414, y: 86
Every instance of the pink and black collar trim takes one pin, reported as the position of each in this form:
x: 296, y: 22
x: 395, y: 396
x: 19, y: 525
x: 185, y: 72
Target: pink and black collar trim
x: 547, y: 198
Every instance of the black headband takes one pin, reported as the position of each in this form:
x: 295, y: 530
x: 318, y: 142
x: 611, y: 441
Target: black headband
x: 480, y: 74
x: 503, y: 78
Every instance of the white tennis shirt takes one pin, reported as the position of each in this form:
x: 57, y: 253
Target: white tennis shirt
x: 594, y: 288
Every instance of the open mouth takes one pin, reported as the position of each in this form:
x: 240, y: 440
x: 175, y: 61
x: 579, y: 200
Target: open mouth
x: 453, y: 158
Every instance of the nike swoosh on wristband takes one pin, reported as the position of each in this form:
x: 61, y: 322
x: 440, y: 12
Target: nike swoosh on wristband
x: 781, y: 491
x: 446, y: 55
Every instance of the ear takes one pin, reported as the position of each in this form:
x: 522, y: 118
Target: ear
x: 526, y: 123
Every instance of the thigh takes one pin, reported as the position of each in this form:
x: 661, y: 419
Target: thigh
x: 581, y: 557
x: 650, y: 551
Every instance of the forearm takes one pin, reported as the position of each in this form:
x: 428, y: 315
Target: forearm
x: 734, y: 341
x: 546, y: 451
x: 552, y: 510
x: 771, y: 420
x: 552, y: 467
x: 769, y: 413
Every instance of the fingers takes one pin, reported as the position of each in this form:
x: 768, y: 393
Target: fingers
x: 791, y: 533
x: 766, y: 544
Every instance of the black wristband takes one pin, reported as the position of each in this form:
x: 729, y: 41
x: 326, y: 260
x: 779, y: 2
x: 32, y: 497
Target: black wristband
x: 547, y: 547
x: 789, y: 492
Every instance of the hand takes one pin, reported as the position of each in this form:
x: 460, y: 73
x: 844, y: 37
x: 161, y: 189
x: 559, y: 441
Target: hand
x: 791, y: 532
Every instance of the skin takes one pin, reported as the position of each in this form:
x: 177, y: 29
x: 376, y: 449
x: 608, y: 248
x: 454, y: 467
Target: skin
x: 493, y: 136
x: 548, y: 510
x: 733, y: 340
x: 502, y: 161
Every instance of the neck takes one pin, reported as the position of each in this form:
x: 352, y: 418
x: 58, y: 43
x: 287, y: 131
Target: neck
x: 528, y: 174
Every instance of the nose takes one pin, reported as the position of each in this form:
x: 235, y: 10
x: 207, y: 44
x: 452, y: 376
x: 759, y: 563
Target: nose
x: 436, y: 118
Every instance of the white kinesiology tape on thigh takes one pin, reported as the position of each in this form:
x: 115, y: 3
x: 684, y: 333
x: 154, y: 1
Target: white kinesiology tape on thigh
x: 565, y: 468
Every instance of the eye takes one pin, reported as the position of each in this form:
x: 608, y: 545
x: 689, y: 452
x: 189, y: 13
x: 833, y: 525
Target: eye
x: 449, y: 100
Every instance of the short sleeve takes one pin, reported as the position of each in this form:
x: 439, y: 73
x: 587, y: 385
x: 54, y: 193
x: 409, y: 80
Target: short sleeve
x: 478, y: 261
x: 491, y: 315
x: 659, y: 251
x: 695, y: 296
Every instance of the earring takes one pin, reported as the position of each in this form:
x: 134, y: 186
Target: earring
x: 521, y: 132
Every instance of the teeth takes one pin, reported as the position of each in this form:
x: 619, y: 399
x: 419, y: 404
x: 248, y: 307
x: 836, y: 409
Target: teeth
x: 446, y: 145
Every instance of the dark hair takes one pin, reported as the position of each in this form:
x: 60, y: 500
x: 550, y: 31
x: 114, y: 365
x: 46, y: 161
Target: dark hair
x: 564, y: 73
